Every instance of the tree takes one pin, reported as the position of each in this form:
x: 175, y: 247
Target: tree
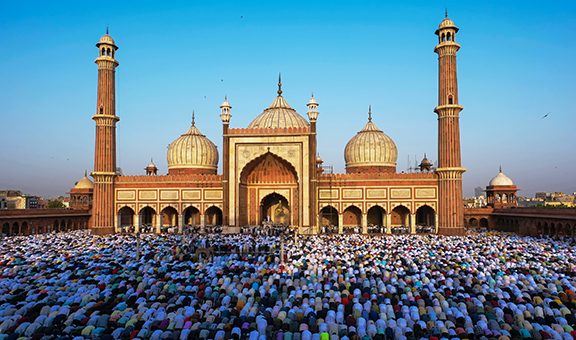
x: 55, y: 204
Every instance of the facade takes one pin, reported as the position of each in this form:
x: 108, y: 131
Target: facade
x: 271, y: 172
x: 14, y: 199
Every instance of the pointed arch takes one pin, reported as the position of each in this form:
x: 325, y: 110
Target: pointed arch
x: 126, y: 216
x: 425, y: 216
x: 24, y: 228
x: 352, y: 216
x: 169, y: 217
x: 265, y: 171
x: 400, y: 215
x: 328, y: 216
x: 213, y: 216
x: 147, y: 216
x: 269, y: 168
x: 376, y: 215
x: 191, y: 216
x: 275, y: 208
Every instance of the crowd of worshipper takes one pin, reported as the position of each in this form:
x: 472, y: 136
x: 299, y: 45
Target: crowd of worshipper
x: 170, y: 229
x: 153, y: 286
x: 377, y: 229
x: 269, y: 229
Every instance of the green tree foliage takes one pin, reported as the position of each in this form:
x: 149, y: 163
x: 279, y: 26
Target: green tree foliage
x: 55, y: 204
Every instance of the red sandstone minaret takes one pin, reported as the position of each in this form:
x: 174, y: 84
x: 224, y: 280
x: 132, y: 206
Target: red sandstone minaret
x: 225, y: 116
x: 313, y: 117
x: 451, y: 207
x: 105, y: 152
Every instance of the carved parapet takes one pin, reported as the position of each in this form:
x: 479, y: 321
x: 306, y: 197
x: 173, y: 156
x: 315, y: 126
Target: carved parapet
x: 203, y: 178
x: 269, y: 131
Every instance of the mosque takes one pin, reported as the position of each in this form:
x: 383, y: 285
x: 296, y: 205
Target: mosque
x: 271, y: 171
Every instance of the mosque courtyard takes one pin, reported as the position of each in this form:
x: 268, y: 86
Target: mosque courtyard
x: 479, y: 286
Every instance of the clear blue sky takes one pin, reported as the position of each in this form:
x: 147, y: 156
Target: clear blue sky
x: 517, y: 63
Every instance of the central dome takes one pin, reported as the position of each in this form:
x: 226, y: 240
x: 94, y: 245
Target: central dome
x: 371, y: 150
x: 279, y: 115
x: 192, y: 153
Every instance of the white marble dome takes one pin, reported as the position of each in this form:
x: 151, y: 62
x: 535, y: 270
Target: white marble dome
x: 500, y: 179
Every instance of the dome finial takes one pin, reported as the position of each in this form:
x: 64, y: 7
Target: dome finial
x: 85, y: 173
x: 500, y: 168
x: 106, y: 29
x: 369, y: 113
x: 279, y: 84
x: 193, y: 118
x: 445, y: 12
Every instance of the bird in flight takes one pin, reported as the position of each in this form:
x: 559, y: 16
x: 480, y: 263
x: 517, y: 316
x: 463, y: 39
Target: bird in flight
x: 546, y: 115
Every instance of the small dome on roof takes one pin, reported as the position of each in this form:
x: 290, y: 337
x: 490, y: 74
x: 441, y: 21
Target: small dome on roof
x: 500, y: 179
x: 225, y: 103
x: 446, y: 23
x: 312, y: 101
x: 106, y: 39
x: 151, y: 164
x: 84, y: 183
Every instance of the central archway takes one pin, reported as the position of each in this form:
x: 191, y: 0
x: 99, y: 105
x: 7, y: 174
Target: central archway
x: 261, y: 178
x: 274, y: 208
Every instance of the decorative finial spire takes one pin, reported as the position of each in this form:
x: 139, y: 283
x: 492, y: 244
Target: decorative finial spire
x: 85, y: 173
x: 425, y: 155
x: 279, y: 84
x: 106, y: 29
x: 151, y: 160
x: 369, y: 113
x: 445, y: 12
x: 193, y: 118
x: 500, y: 167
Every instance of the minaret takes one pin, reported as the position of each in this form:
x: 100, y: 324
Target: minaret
x: 225, y: 116
x: 312, y: 116
x: 450, y: 204
x: 105, y: 152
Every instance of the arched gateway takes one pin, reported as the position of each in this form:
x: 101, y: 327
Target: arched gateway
x: 267, y: 185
